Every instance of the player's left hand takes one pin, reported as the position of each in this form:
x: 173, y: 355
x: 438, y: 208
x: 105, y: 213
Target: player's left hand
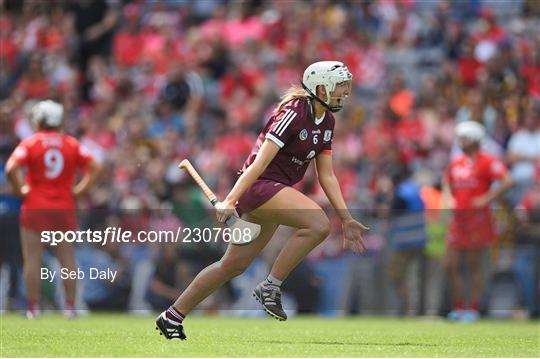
x: 352, y: 235
x: 25, y: 189
x: 224, y: 210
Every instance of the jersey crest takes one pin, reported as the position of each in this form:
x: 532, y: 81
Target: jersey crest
x: 327, y: 135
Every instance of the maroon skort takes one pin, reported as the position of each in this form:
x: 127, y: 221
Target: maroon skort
x: 258, y: 194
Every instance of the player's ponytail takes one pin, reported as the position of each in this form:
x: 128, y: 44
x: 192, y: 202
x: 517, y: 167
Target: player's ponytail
x: 294, y: 92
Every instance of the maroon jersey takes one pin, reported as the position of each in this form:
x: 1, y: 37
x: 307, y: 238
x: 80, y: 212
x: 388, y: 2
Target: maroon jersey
x: 300, y: 138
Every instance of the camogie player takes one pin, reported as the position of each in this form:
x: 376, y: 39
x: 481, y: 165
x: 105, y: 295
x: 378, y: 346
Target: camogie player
x: 301, y: 129
x: 51, y: 160
x: 468, y: 184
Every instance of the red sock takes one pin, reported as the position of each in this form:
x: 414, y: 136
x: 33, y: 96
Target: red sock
x: 33, y: 305
x: 459, y: 304
x: 70, y: 304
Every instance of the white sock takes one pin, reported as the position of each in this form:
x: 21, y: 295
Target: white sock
x: 273, y: 281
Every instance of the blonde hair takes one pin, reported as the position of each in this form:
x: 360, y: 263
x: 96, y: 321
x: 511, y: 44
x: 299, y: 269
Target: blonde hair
x: 294, y: 92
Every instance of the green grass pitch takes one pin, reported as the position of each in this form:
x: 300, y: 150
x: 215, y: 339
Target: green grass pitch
x: 119, y: 335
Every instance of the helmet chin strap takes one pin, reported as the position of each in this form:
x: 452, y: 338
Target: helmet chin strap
x: 340, y: 105
x: 330, y: 108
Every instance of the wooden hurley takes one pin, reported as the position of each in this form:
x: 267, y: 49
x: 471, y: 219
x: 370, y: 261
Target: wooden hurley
x: 233, y: 221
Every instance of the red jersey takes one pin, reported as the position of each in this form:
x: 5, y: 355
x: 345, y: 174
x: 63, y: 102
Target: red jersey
x: 300, y: 139
x: 51, y: 159
x: 472, y: 177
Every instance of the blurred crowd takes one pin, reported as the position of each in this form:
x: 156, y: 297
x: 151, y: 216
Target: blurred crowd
x: 146, y: 84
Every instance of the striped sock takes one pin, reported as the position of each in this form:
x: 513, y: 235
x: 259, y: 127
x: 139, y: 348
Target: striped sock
x: 174, y: 316
x: 270, y: 280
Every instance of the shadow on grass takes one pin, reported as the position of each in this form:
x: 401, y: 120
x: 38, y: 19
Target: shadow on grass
x: 337, y: 342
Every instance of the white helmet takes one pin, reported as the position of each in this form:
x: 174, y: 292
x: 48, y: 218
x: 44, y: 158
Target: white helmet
x: 328, y: 74
x: 48, y: 113
x: 471, y: 130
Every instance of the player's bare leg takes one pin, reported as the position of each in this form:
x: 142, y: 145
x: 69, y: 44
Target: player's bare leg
x: 399, y: 281
x: 233, y: 263
x: 32, y: 251
x: 291, y: 208
x: 66, y: 256
x: 474, y: 261
x: 452, y: 262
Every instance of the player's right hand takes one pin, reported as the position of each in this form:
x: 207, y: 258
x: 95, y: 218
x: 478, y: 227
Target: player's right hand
x: 352, y: 236
x: 224, y: 210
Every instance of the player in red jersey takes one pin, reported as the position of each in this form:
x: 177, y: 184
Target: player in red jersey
x: 468, y: 183
x: 301, y: 129
x: 51, y: 160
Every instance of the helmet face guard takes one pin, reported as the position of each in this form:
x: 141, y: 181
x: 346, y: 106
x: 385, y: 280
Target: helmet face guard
x: 340, y: 100
x: 328, y: 74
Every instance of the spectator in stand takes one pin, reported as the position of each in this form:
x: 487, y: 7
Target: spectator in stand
x: 528, y: 237
x: 524, y: 154
x: 101, y: 294
x: 530, y: 69
x: 34, y: 84
x: 127, y: 40
x: 173, y: 272
x: 93, y: 22
x: 407, y: 236
x: 10, y: 247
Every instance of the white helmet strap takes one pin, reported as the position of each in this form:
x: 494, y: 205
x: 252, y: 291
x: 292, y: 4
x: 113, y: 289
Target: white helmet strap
x: 314, y: 95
